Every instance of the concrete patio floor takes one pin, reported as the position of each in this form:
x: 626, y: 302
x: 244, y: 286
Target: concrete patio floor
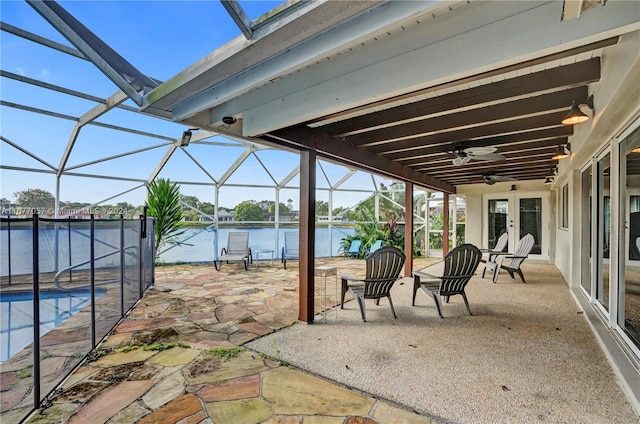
x: 175, y: 359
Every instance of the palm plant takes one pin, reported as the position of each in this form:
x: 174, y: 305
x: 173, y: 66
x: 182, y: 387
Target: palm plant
x: 163, y: 200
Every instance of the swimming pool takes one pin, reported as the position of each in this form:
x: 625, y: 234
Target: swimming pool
x: 16, y: 315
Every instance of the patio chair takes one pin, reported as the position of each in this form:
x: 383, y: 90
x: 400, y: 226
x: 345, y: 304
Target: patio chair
x: 237, y: 250
x: 460, y: 265
x: 375, y: 246
x: 499, y: 247
x: 291, y: 248
x: 516, y: 259
x: 382, y: 271
x: 354, y: 249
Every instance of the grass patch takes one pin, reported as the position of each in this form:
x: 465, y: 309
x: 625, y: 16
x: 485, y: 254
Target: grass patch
x: 26, y: 372
x: 224, y: 353
x: 155, y: 346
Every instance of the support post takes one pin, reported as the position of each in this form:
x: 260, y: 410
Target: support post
x: 307, y: 235
x: 408, y: 228
x: 445, y: 223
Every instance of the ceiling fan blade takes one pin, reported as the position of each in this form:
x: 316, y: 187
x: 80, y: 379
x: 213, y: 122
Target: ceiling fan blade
x: 503, y: 178
x: 476, y: 151
x: 488, y: 157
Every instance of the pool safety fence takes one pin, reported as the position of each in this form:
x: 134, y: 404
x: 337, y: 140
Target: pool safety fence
x: 113, y: 258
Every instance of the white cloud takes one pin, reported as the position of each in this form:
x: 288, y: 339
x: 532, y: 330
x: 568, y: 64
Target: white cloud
x: 44, y: 74
x: 21, y: 71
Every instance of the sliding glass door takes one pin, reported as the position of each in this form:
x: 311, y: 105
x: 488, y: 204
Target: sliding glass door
x: 628, y: 317
x: 603, y: 242
x: 585, y: 230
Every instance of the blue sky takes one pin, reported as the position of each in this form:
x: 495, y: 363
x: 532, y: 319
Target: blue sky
x: 160, y: 38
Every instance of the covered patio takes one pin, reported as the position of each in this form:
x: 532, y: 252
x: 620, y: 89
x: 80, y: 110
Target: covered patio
x: 506, y: 363
x: 410, y: 91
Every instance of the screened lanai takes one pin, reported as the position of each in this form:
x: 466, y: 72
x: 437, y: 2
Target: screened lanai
x: 102, y: 151
x: 408, y: 91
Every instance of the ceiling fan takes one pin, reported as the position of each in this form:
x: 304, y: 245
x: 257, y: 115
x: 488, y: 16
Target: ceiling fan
x: 465, y: 154
x: 491, y: 178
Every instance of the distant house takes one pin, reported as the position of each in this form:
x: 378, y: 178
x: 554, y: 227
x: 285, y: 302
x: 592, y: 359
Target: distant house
x: 224, y: 216
x: 325, y: 218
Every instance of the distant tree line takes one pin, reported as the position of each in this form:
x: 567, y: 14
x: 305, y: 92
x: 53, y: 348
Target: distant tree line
x: 39, y: 200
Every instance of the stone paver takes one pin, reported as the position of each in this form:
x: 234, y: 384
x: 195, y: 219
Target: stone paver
x: 196, y: 306
x: 110, y: 402
x: 232, y: 389
x: 311, y: 395
x: 165, y: 391
x: 181, y: 407
x: 248, y: 411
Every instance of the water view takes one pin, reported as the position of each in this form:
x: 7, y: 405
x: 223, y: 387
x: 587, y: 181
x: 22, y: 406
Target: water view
x: 16, y: 312
x: 199, y: 245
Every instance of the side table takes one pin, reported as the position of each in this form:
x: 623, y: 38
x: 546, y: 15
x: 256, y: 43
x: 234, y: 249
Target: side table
x: 264, y: 252
x: 324, y: 272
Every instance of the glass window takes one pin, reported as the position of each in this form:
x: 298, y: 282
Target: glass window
x: 565, y: 206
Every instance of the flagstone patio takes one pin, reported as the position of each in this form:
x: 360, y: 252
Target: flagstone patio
x: 159, y: 364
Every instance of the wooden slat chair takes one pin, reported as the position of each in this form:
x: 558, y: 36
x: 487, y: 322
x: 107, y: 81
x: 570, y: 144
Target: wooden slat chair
x: 291, y: 248
x: 499, y: 247
x: 515, y: 260
x: 382, y: 270
x: 237, y: 250
x: 460, y: 265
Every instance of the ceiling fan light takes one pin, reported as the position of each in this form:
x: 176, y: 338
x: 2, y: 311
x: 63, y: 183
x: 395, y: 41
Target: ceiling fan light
x: 575, y: 115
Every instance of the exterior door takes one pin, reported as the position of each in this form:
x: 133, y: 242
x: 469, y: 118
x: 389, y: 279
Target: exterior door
x: 518, y: 214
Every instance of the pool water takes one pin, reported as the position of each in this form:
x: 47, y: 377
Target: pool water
x: 16, y: 316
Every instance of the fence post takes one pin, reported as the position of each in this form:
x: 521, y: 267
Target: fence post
x: 122, y: 259
x: 36, y: 310
x: 9, y: 243
x: 143, y: 235
x: 69, y: 248
x: 92, y: 255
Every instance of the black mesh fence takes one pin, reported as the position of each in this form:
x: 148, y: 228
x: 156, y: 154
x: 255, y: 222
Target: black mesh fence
x: 76, y: 279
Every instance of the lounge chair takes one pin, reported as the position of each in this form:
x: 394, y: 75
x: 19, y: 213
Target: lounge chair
x: 460, y: 265
x: 375, y: 246
x: 291, y: 248
x: 515, y: 259
x: 499, y: 247
x: 237, y: 250
x: 383, y: 269
x: 354, y: 249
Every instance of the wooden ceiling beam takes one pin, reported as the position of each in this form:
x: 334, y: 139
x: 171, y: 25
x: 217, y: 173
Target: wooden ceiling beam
x: 506, y: 69
x: 573, y: 75
x: 511, y: 141
x: 447, y: 159
x: 474, y: 166
x: 340, y: 151
x: 560, y: 100
x: 454, y: 137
